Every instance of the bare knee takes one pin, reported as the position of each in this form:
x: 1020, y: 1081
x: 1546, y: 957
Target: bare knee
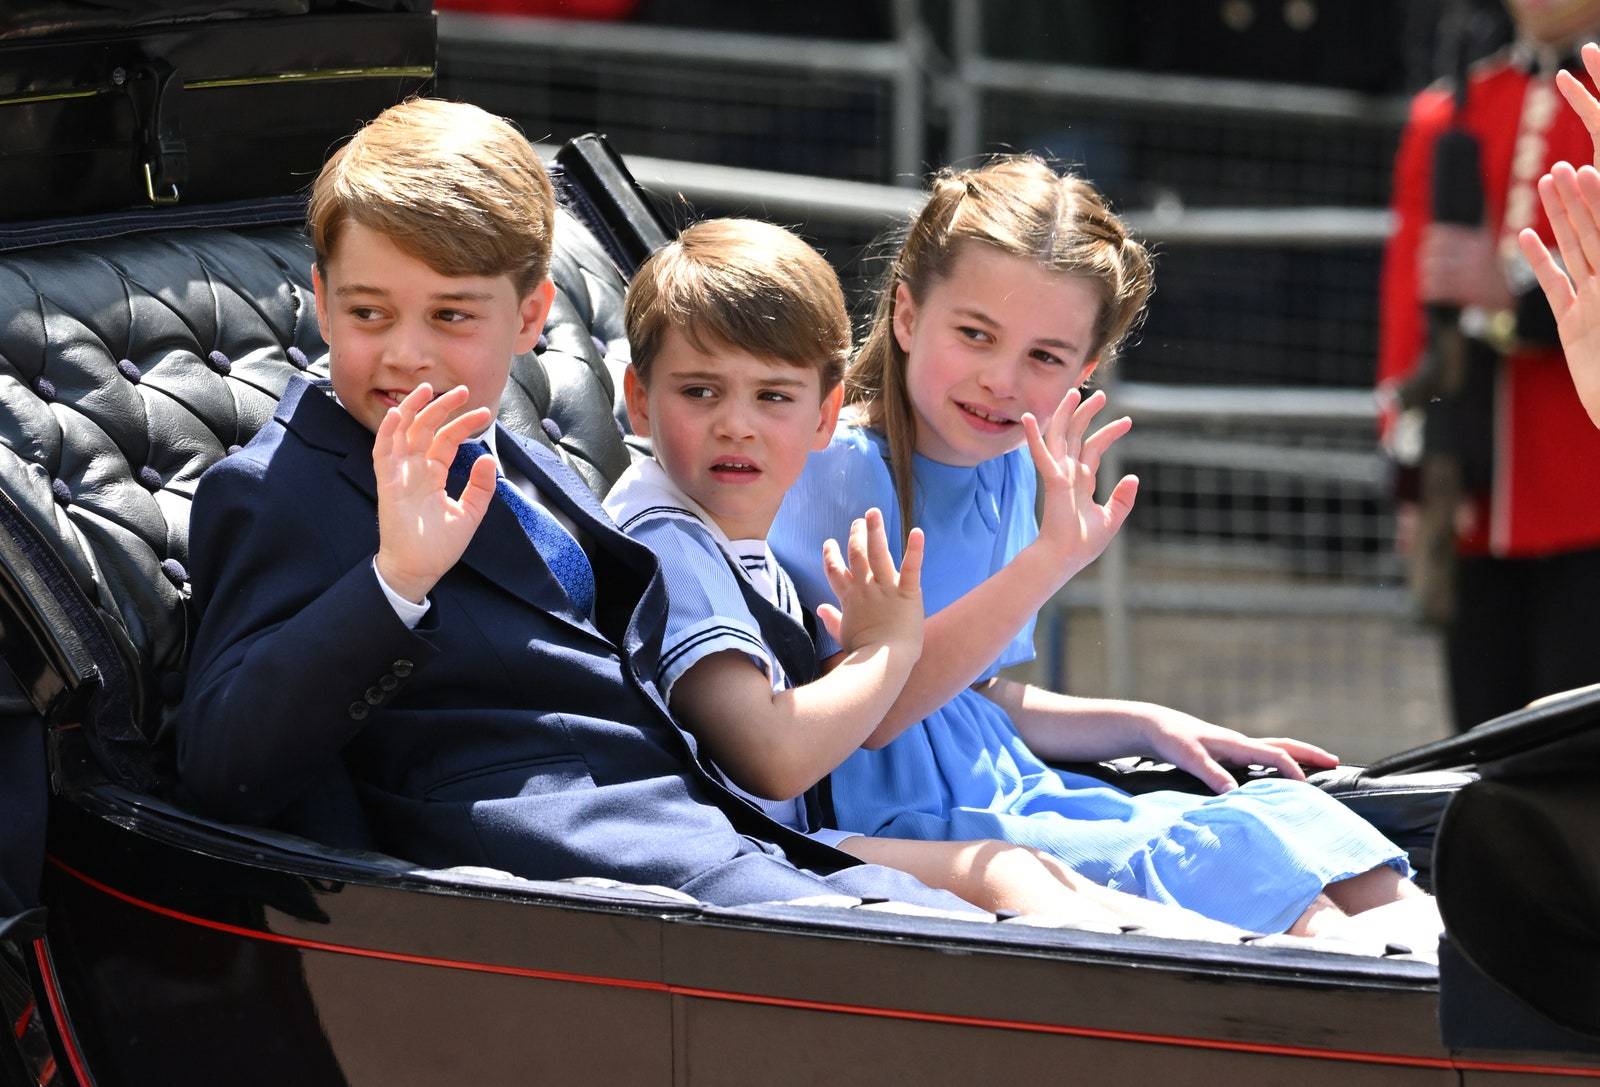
x: 1371, y: 889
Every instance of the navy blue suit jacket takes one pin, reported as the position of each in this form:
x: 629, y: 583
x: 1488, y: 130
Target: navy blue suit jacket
x: 504, y: 731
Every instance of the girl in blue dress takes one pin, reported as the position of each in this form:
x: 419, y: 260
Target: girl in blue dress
x: 1013, y: 283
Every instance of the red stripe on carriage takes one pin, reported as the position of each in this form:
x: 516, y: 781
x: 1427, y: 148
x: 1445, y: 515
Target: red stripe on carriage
x: 21, y: 1025
x: 1311, y: 1052
x: 52, y: 992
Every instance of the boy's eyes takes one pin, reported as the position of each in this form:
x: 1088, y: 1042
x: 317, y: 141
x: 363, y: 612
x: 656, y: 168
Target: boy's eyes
x: 444, y: 316
x: 706, y: 392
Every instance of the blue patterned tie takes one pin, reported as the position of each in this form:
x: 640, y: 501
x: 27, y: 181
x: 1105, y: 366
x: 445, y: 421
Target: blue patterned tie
x: 555, y: 544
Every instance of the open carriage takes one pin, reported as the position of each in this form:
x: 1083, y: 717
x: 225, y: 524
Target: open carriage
x: 138, y: 347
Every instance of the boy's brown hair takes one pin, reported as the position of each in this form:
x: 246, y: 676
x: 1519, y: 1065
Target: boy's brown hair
x: 744, y: 283
x: 456, y: 187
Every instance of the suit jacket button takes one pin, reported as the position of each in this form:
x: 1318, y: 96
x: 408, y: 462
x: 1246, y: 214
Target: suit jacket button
x: 388, y: 682
x: 374, y: 696
x: 359, y: 710
x: 402, y: 668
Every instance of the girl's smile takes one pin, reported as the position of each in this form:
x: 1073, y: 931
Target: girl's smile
x: 997, y: 338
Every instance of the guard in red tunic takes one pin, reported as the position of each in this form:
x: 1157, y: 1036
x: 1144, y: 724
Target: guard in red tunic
x: 1527, y: 525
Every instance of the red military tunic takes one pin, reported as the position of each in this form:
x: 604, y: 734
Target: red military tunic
x: 1545, y: 497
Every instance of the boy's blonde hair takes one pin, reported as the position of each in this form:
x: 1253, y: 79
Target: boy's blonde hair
x: 744, y: 283
x: 1019, y: 205
x: 457, y: 188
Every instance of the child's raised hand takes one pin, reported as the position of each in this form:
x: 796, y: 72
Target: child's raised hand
x: 1572, y: 202
x: 422, y: 531
x: 1073, y: 525
x: 878, y: 605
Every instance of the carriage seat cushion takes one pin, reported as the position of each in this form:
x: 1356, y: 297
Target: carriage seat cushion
x: 129, y: 366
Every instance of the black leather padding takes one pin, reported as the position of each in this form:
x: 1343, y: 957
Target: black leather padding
x: 129, y: 366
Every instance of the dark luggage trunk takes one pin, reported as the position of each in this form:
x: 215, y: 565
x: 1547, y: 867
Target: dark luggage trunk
x: 244, y: 102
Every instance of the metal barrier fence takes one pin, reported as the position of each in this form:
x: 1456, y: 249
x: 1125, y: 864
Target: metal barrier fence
x: 1256, y: 583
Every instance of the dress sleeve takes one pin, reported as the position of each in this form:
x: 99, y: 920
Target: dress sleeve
x: 839, y: 484
x: 706, y: 612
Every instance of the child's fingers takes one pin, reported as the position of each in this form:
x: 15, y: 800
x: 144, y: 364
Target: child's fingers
x: 1079, y: 426
x: 1055, y: 432
x: 879, y: 559
x: 1120, y: 504
x: 831, y: 619
x: 1101, y: 440
x: 1591, y: 59
x: 1302, y: 752
x: 1579, y: 220
x: 834, y: 569
x: 1589, y: 189
x: 434, y: 415
x: 1579, y: 98
x: 407, y: 409
x: 857, y: 550
x: 479, y: 490
x: 448, y: 438
x: 1550, y: 192
x: 1043, y: 462
x: 1209, y: 770
x: 1552, y: 280
x: 911, y: 564
x: 383, y: 442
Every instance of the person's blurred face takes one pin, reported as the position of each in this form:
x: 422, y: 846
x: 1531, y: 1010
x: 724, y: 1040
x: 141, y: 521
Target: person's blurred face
x: 1555, y: 22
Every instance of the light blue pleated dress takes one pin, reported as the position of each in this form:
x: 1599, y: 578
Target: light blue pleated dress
x: 1254, y: 857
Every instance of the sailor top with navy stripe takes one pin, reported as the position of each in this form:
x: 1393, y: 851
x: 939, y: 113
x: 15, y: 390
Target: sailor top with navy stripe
x: 706, y: 607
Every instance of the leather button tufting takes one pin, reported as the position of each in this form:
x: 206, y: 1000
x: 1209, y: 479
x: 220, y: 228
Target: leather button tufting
x: 358, y: 711
x: 232, y: 449
x: 175, y: 572
x: 127, y: 369
x: 374, y: 696
x: 150, y: 478
x: 297, y: 358
x: 219, y: 362
x: 44, y: 387
x: 61, y: 492
x: 551, y: 428
x: 543, y: 345
x: 402, y: 668
x: 599, y: 346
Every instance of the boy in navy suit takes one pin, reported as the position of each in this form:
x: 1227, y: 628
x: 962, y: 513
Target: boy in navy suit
x: 441, y: 648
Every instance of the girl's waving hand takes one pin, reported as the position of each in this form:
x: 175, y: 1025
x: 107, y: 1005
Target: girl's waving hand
x: 1073, y: 524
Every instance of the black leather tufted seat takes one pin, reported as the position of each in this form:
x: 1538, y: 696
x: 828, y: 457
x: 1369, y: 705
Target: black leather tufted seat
x: 131, y: 365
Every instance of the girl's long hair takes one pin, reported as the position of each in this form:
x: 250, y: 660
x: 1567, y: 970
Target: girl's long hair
x: 1019, y: 205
